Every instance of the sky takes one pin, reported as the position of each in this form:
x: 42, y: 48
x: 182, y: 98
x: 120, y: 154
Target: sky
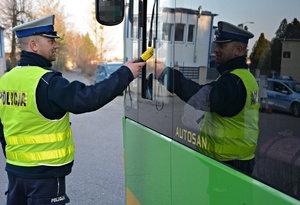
x: 266, y: 15
x: 79, y: 13
x: 80, y: 16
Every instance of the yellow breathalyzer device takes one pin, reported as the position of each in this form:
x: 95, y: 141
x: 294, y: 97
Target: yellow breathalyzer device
x: 146, y: 55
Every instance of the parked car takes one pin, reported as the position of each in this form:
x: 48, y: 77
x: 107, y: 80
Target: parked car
x: 284, y: 95
x: 104, y: 70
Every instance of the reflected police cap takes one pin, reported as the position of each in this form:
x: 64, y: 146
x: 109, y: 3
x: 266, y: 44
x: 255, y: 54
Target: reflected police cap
x: 227, y: 32
x: 42, y: 26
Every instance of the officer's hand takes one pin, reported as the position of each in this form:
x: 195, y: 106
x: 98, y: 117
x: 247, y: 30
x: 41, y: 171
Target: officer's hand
x: 158, y: 65
x: 134, y: 67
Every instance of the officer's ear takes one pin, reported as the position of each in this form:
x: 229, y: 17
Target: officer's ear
x: 33, y: 45
x: 239, y: 48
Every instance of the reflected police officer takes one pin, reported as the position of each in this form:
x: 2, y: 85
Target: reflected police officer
x: 35, y: 102
x: 230, y: 122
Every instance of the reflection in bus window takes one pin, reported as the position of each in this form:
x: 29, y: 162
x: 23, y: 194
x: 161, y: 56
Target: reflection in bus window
x: 167, y: 32
x: 179, y: 31
x: 165, y: 136
x: 286, y: 54
x: 191, y: 33
x: 278, y: 87
x: 134, y: 28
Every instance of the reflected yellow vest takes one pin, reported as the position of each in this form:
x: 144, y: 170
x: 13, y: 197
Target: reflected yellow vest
x: 32, y: 140
x: 235, y: 137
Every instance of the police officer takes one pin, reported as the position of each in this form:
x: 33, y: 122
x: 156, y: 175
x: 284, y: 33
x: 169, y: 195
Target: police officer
x: 35, y: 102
x: 230, y: 123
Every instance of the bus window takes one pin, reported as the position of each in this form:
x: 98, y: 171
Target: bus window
x: 167, y: 31
x: 179, y: 31
x: 110, y: 12
x: 191, y: 33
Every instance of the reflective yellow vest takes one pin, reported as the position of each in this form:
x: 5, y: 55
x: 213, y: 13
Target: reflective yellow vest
x: 32, y: 140
x: 235, y: 137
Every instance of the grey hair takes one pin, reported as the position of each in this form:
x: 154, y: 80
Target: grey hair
x: 23, y: 42
x: 244, y: 47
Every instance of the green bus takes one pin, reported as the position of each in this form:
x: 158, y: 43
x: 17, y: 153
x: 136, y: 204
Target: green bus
x: 161, y: 132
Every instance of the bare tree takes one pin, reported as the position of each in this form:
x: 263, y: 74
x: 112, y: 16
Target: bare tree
x: 107, y: 39
x: 88, y: 55
x: 46, y: 7
x: 13, y: 13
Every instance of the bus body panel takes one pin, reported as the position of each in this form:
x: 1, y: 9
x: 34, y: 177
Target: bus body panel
x: 147, y: 164
x: 159, y: 170
x: 198, y: 179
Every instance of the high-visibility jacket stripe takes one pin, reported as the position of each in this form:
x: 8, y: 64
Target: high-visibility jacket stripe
x: 42, y: 155
x: 38, y: 139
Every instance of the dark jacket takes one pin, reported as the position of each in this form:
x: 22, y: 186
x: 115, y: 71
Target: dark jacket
x: 55, y: 96
x: 228, y: 94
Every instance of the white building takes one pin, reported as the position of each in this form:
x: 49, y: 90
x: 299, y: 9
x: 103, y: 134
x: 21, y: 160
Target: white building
x: 290, y: 59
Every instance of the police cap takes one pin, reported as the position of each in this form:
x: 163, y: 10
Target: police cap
x: 227, y: 32
x: 42, y: 26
